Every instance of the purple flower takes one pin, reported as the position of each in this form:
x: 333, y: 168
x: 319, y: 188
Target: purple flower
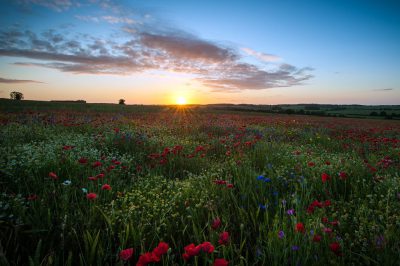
x: 295, y: 248
x: 281, y: 234
x: 290, y: 211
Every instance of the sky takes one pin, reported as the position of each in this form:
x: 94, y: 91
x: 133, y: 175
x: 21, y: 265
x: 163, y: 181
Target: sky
x: 163, y: 51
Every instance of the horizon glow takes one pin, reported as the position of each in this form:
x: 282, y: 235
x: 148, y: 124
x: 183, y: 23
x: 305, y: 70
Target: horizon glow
x: 201, y: 52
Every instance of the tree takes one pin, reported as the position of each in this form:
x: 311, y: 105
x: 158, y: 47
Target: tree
x: 15, y: 95
x: 121, y: 101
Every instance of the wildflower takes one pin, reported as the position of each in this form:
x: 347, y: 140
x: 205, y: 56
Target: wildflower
x: 106, y: 187
x: 317, y: 238
x: 311, y: 164
x: 342, y: 175
x: 295, y: 248
x: 223, y: 238
x: 281, y: 234
x: 101, y: 175
x: 146, y: 258
x: 192, y: 250
x: 300, y: 227
x: 290, y: 212
x: 324, y: 219
x: 126, y: 254
x: 207, y: 247
x: 84, y: 190
x: 335, y: 248
x: 216, y: 223
x: 230, y: 186
x: 260, y: 177
x: 327, y: 203
x: 96, y: 164
x: 325, y: 177
x: 221, y: 262
x: 328, y: 230
x: 328, y: 163
x: 32, y: 197
x: 161, y: 249
x: 267, y: 180
x: 92, y: 178
x: 67, y: 182
x: 83, y: 160
x: 91, y: 196
x: 53, y: 176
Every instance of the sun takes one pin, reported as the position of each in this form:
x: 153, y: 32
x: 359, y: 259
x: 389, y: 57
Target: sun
x: 181, y: 100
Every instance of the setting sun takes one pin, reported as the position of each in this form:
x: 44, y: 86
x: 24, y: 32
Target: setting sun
x: 181, y: 100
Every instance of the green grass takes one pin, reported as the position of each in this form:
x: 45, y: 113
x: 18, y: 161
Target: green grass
x: 173, y: 171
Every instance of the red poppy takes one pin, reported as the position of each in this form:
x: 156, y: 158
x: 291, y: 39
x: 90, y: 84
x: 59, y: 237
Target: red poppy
x: 335, y: 248
x: 126, y: 254
x: 325, y: 177
x: 106, y: 187
x: 317, y: 238
x: 300, y: 228
x: 324, y: 219
x: 216, y: 223
x: 328, y: 163
x: 311, y: 164
x: 223, y: 238
x: 343, y: 175
x: 327, y: 203
x: 207, y: 247
x: 161, y: 249
x: 146, y: 258
x: 96, y: 164
x: 221, y: 262
x: 230, y: 186
x: 32, y: 197
x: 91, y: 196
x: 101, y: 175
x: 92, y: 178
x: 53, y: 176
x: 192, y: 250
x: 83, y: 160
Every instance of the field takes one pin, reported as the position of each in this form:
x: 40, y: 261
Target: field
x: 137, y: 185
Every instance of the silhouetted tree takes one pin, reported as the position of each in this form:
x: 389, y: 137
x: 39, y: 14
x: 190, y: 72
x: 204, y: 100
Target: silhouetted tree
x: 15, y: 95
x: 121, y: 101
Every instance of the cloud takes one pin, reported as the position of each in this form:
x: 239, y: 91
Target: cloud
x: 18, y: 81
x: 387, y: 89
x: 108, y: 19
x: 56, y: 5
x: 216, y: 66
x: 187, y: 47
x: 261, y: 56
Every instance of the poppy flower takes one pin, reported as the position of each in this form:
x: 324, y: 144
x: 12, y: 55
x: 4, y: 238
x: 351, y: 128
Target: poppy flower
x: 146, y: 258
x: 325, y: 177
x: 335, y: 248
x: 327, y: 203
x: 230, y: 186
x: 32, y: 197
x: 92, y: 178
x: 324, y: 219
x: 53, y: 176
x: 317, y: 238
x: 161, y: 249
x: 311, y: 164
x: 221, y: 262
x: 91, y: 196
x: 101, y: 175
x: 106, y: 187
x: 342, y: 175
x: 96, y: 164
x: 300, y: 228
x: 83, y: 160
x: 223, y: 238
x: 216, y: 223
x: 207, y: 247
x: 192, y: 250
x: 126, y: 254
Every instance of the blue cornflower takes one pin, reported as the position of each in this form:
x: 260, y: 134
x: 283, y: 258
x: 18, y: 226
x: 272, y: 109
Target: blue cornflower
x: 267, y: 180
x: 260, y: 177
x: 290, y: 211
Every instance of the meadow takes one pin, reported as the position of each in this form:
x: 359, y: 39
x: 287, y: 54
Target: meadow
x: 120, y: 185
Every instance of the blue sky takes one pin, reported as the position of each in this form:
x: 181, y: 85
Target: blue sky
x: 262, y: 52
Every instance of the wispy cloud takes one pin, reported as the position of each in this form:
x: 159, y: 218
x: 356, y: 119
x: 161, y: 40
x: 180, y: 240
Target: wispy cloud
x: 261, y: 56
x: 56, y: 5
x: 109, y: 19
x: 143, y: 48
x: 386, y: 89
x: 18, y: 81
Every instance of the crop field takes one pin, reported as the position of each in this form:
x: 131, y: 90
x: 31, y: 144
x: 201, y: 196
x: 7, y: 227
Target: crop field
x: 187, y: 186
